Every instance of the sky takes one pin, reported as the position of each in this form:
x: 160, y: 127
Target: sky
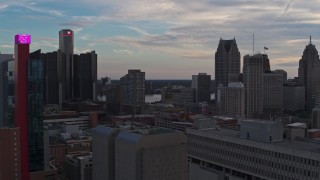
x: 167, y: 39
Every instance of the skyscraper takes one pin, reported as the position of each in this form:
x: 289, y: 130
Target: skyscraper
x: 293, y: 96
x: 22, y: 42
x: 309, y: 74
x: 272, y: 92
x: 51, y: 80
x: 28, y: 105
x: 35, y: 110
x: 227, y: 62
x: 85, y: 75
x: 4, y: 82
x: 133, y: 91
x: 202, y: 84
x: 253, y: 82
x: 65, y: 64
x: 103, y: 148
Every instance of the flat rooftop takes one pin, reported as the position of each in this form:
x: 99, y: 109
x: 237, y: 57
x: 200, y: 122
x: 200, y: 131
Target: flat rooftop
x: 304, y: 144
x: 152, y: 131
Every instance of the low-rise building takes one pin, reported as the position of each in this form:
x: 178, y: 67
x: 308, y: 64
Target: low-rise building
x: 78, y: 166
x: 257, y: 151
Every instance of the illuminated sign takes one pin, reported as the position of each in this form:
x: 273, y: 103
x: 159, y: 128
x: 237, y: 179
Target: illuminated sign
x: 68, y: 33
x: 22, y: 39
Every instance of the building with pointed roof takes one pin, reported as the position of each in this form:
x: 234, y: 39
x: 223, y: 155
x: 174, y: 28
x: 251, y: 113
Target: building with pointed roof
x: 227, y: 62
x: 309, y: 74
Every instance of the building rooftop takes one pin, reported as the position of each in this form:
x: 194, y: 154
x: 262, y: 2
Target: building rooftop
x: 223, y: 118
x: 258, y: 121
x: 313, y: 130
x: 297, y: 125
x: 304, y: 144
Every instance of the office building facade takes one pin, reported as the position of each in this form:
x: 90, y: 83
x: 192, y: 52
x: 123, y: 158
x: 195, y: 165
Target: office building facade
x: 309, y: 74
x: 227, y: 62
x: 253, y: 82
x: 4, y: 83
x: 202, y: 85
x: 293, y: 96
x: 10, y: 159
x: 28, y: 76
x: 151, y: 154
x: 66, y: 64
x: 22, y: 42
x: 284, y: 74
x: 103, y: 148
x: 231, y: 100
x: 51, y: 81
x: 133, y: 91
x: 272, y: 92
x: 35, y: 110
x: 255, y: 152
x: 85, y: 76
x: 178, y: 95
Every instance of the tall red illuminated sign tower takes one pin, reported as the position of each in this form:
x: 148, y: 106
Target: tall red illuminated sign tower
x: 22, y: 42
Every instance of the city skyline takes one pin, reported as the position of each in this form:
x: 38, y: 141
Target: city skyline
x: 166, y: 39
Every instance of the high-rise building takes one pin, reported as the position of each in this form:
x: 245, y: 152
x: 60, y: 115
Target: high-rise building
x: 133, y: 91
x: 22, y: 42
x: 227, y: 62
x: 231, y: 100
x: 284, y: 74
x: 66, y: 64
x: 10, y: 161
x: 309, y: 74
x: 293, y: 96
x: 51, y: 81
x: 28, y: 105
x: 202, y: 84
x: 272, y: 92
x: 103, y: 148
x: 151, y: 154
x: 4, y: 83
x: 253, y: 83
x: 85, y: 76
x: 35, y: 110
x: 266, y: 63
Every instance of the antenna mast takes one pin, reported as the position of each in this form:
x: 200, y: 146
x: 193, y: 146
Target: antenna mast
x: 253, y: 45
x: 310, y: 39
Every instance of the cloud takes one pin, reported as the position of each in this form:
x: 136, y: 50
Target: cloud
x: 72, y: 24
x: 138, y: 30
x: 32, y: 6
x: 287, y: 7
x: 288, y: 64
x: 78, y: 50
x: 187, y: 28
x: 6, y: 46
x: 44, y: 11
x: 3, y: 6
x: 122, y: 51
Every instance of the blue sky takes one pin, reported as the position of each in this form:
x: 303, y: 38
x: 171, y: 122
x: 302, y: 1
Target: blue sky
x: 168, y: 39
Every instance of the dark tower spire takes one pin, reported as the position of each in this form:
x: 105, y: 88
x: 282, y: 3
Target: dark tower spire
x: 310, y: 40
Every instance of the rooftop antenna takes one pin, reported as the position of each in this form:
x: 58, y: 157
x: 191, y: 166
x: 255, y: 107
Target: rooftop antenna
x: 253, y: 45
x: 310, y: 39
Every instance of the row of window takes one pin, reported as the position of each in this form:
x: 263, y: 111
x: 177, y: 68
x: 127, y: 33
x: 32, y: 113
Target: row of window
x: 251, y: 159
